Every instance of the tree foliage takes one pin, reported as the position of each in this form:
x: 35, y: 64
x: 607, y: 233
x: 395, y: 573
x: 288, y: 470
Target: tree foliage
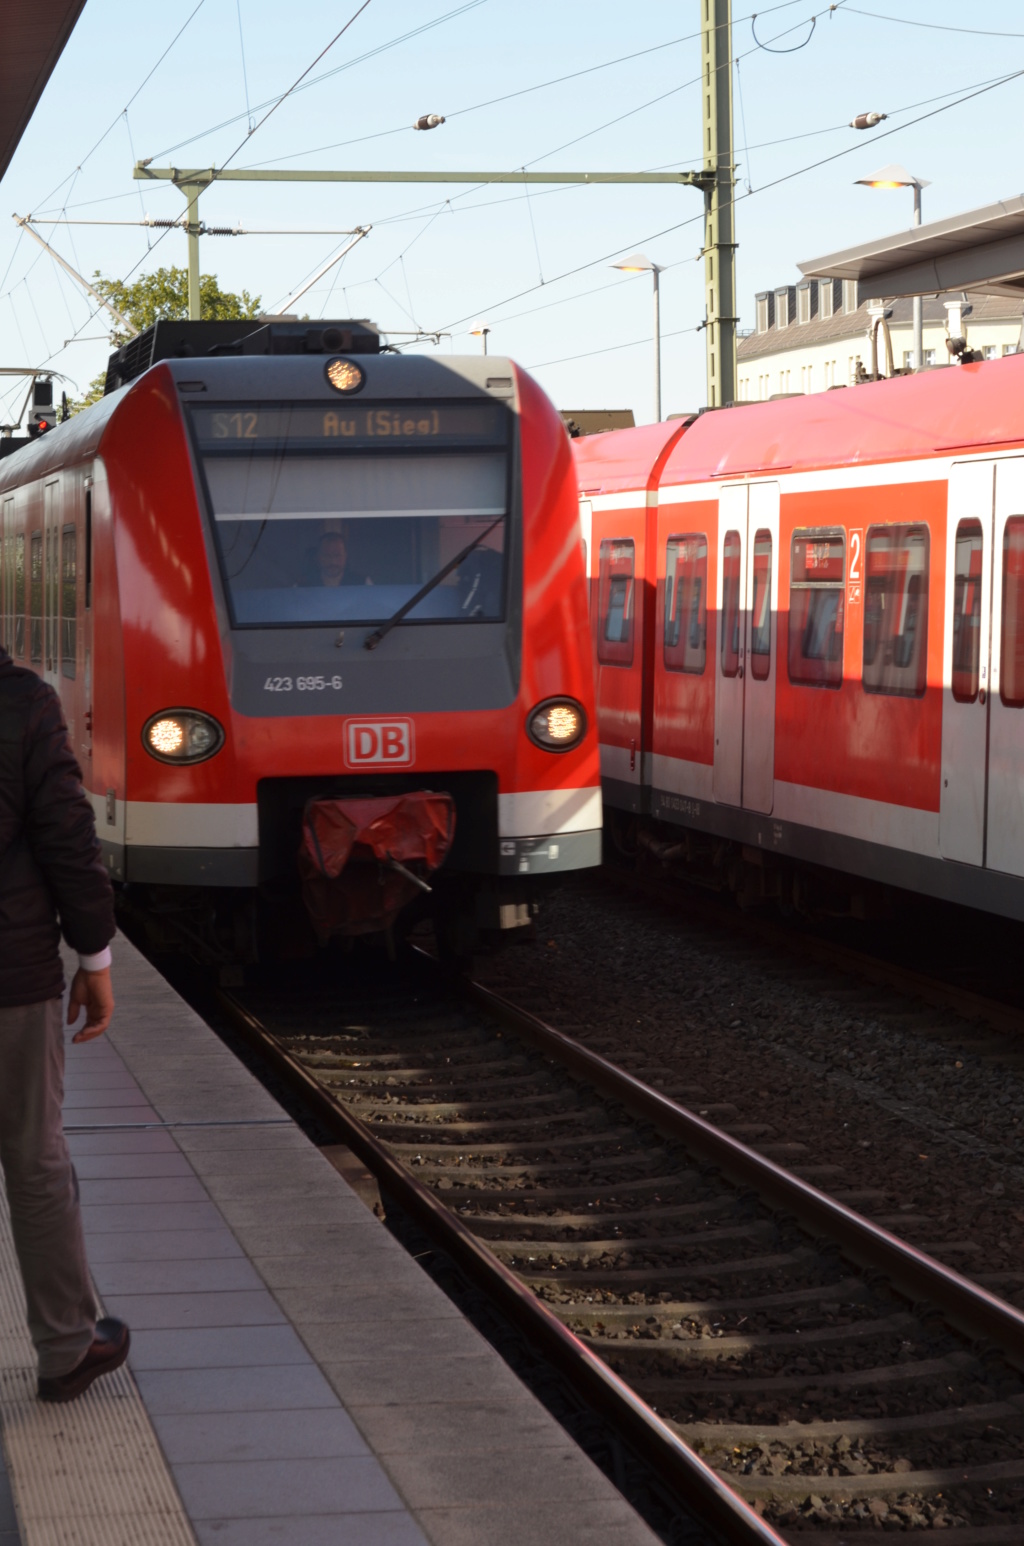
x: 160, y: 296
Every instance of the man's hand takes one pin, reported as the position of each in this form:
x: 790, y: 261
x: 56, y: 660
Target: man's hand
x: 92, y: 992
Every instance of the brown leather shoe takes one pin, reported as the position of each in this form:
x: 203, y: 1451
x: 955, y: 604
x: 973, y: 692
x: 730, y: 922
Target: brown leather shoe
x: 109, y: 1350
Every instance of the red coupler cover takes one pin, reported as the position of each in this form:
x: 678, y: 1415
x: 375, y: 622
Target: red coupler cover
x: 348, y: 884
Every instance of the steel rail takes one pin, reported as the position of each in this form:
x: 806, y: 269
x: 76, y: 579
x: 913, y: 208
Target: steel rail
x: 700, y: 1487
x: 967, y: 1306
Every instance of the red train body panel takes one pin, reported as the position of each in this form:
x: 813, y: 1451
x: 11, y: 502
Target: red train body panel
x: 808, y: 620
x: 163, y: 552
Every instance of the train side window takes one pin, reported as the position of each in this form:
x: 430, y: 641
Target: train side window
x: 617, y: 602
x: 761, y: 608
x: 686, y: 603
x: 970, y: 552
x: 1011, y: 655
x: 35, y: 598
x: 88, y: 548
x: 19, y: 596
x: 729, y: 644
x: 7, y: 576
x: 816, y: 611
x: 68, y: 601
x: 896, y: 610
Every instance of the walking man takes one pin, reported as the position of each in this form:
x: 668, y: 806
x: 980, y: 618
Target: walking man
x: 52, y: 881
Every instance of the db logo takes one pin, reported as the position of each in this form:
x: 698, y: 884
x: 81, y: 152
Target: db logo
x: 379, y: 742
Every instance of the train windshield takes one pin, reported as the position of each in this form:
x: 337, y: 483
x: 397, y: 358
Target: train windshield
x: 325, y: 515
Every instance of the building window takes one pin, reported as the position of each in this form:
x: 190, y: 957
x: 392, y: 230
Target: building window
x: 816, y: 610
x: 896, y: 610
x: 825, y: 293
x: 686, y: 604
x: 929, y: 356
x: 989, y: 351
x: 1009, y: 349
x: 908, y: 358
x: 765, y: 312
x: 849, y: 296
x: 803, y: 303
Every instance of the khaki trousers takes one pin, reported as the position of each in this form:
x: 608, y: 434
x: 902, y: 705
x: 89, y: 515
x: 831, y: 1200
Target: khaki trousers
x: 42, y: 1188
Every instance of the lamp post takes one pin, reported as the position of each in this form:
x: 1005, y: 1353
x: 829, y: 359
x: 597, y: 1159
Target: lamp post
x: 896, y: 176
x: 480, y: 330
x: 638, y: 264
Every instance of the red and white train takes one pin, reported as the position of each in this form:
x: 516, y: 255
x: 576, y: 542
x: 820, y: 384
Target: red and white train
x: 297, y: 567
x: 808, y: 618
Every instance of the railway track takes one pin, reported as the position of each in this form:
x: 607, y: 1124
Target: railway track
x: 797, y: 1372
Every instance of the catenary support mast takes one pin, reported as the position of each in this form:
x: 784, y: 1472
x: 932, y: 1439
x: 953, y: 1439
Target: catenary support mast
x: 719, y: 243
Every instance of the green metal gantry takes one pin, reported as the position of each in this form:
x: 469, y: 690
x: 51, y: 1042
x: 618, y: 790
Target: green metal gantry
x: 715, y: 179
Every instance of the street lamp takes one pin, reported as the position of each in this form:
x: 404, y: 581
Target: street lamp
x: 480, y: 330
x: 638, y: 264
x: 896, y: 176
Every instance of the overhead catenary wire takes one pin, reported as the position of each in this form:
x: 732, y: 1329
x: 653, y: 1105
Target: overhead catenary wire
x: 349, y: 64
x: 932, y: 26
x: 773, y: 183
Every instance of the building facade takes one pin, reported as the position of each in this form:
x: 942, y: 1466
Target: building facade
x: 812, y: 336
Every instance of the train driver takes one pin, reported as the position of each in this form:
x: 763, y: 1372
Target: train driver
x: 330, y: 560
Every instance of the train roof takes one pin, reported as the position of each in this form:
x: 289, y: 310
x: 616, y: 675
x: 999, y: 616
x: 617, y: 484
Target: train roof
x: 616, y: 459
x: 959, y: 408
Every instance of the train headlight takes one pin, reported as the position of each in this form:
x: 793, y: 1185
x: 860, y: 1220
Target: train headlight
x: 182, y: 735
x: 557, y: 724
x: 344, y: 375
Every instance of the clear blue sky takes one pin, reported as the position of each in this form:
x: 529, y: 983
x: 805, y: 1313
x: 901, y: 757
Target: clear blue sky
x: 483, y: 255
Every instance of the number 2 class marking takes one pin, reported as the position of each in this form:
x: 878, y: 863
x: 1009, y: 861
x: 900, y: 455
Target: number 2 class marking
x: 856, y: 549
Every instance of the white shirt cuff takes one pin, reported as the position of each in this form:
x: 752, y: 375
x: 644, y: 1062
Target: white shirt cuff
x: 96, y: 963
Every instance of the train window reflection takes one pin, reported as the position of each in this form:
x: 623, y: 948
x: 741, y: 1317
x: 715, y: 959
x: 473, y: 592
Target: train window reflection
x: 1011, y: 654
x: 616, y: 602
x: 732, y: 552
x: 36, y: 598
x: 761, y: 608
x: 816, y: 608
x: 320, y: 538
x: 896, y: 610
x: 68, y: 601
x: 686, y: 612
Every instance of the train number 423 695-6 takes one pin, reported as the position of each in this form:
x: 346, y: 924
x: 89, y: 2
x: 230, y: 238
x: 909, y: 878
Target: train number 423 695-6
x: 303, y: 683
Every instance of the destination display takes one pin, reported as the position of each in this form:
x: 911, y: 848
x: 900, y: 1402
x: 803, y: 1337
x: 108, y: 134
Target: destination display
x: 379, y: 425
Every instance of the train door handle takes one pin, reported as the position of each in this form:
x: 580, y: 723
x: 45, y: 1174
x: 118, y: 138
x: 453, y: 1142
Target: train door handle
x: 981, y: 696
x: 632, y: 756
x: 739, y: 673
x: 88, y: 720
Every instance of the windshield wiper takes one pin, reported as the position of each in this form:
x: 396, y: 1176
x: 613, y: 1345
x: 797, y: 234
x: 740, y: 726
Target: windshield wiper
x: 373, y: 639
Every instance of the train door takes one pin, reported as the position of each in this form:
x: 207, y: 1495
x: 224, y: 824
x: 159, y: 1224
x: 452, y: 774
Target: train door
x: 618, y: 556
x: 1005, y: 834
x: 981, y: 812
x: 747, y: 595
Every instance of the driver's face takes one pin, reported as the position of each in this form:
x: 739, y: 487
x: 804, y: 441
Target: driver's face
x: 331, y: 557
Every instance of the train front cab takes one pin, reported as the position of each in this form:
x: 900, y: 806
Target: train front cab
x: 120, y: 549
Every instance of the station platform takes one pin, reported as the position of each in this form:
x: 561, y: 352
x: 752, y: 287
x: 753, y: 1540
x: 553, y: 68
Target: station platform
x: 294, y: 1377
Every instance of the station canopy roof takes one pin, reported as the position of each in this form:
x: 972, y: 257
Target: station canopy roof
x: 33, y: 40
x: 981, y: 250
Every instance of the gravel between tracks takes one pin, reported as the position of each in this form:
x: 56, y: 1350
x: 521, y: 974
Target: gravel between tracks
x: 890, y: 1093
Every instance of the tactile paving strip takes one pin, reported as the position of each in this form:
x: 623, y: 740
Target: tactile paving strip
x: 89, y: 1473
